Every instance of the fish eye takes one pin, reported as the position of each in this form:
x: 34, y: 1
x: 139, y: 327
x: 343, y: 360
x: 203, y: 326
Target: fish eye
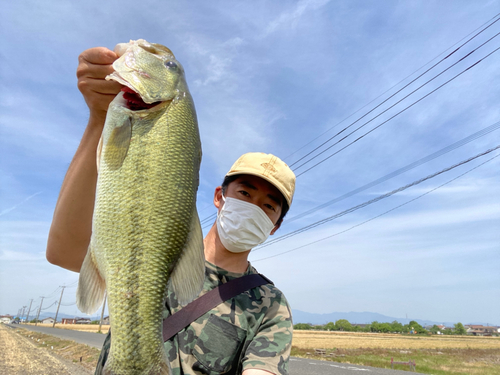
x: 170, y: 64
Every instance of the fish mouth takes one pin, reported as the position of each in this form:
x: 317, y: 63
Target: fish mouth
x: 133, y: 100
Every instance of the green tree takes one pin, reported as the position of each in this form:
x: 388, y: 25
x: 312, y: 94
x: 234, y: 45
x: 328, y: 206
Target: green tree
x: 460, y: 329
x: 384, y: 327
x: 447, y: 331
x: 330, y: 326
x: 343, y: 325
x: 435, y: 329
x: 416, y: 327
x: 396, y: 327
x: 368, y: 328
x: 303, y: 326
x: 374, y: 327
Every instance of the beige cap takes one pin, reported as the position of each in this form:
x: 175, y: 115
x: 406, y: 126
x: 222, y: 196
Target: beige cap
x: 268, y: 167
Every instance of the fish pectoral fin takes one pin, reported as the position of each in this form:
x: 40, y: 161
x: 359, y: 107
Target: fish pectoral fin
x: 117, y: 145
x: 91, y: 286
x: 189, y: 273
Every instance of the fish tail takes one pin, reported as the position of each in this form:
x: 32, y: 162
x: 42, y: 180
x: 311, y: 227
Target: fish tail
x: 91, y: 285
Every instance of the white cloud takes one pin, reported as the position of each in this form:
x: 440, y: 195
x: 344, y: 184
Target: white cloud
x: 7, y: 210
x: 290, y: 18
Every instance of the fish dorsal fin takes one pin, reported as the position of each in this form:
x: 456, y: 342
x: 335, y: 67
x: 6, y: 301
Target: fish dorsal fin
x: 117, y: 144
x: 189, y: 273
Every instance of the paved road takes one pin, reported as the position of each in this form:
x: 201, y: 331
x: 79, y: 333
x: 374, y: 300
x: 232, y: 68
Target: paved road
x: 298, y: 366
x: 89, y: 338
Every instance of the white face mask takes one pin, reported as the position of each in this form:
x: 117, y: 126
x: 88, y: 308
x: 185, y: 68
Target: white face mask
x: 242, y: 225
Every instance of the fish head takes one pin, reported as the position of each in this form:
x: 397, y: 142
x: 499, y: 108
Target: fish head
x: 149, y: 70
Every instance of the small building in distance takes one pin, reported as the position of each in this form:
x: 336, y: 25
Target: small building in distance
x: 105, y: 320
x: 480, y: 330
x: 68, y: 321
x: 48, y: 321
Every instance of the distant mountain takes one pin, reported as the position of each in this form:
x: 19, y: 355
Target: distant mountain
x: 362, y: 318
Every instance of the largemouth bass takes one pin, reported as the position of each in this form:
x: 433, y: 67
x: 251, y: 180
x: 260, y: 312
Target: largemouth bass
x: 145, y: 229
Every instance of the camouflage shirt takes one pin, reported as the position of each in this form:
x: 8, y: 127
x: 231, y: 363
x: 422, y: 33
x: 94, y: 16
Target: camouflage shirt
x: 251, y: 330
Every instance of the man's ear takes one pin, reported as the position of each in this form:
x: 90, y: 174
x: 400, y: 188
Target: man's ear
x: 276, y: 227
x: 218, y: 197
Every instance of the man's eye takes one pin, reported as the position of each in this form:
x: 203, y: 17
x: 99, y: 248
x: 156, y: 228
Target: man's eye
x: 244, y: 193
x: 270, y: 207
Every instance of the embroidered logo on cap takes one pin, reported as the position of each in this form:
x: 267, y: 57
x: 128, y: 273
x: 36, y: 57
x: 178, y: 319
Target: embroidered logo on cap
x: 269, y: 167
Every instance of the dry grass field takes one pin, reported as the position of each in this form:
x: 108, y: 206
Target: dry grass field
x: 459, y: 355
x: 354, y: 340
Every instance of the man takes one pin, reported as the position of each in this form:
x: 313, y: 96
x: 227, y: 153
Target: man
x: 250, y: 333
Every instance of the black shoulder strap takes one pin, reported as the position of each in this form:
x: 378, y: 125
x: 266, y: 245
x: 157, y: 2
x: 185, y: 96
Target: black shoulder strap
x: 181, y: 319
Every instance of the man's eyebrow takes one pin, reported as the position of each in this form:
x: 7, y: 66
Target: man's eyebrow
x: 248, y: 185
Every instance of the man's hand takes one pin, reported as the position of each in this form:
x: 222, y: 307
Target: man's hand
x: 94, y: 65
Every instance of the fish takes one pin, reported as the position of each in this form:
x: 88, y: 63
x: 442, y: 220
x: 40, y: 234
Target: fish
x: 146, y: 234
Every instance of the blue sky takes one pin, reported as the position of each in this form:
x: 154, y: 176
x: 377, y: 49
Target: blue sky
x: 272, y: 77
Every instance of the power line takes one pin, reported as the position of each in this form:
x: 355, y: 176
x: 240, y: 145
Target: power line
x: 399, y: 171
x: 380, y: 197
x: 208, y: 219
x: 401, y: 89
x: 389, y: 89
x: 48, y: 307
x: 211, y: 217
x: 53, y: 293
x: 375, y: 217
x: 398, y: 113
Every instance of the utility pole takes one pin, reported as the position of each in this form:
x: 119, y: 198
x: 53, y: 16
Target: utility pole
x: 27, y: 316
x: 102, y: 312
x: 39, y: 309
x: 57, y: 312
x: 24, y: 308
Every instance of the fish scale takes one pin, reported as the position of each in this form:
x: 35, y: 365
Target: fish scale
x: 145, y: 216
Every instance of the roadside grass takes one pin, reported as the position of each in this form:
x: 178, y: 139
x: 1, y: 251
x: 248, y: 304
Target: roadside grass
x: 433, y: 354
x: 68, y: 349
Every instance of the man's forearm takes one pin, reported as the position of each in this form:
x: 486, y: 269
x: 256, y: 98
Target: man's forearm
x: 71, y: 227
